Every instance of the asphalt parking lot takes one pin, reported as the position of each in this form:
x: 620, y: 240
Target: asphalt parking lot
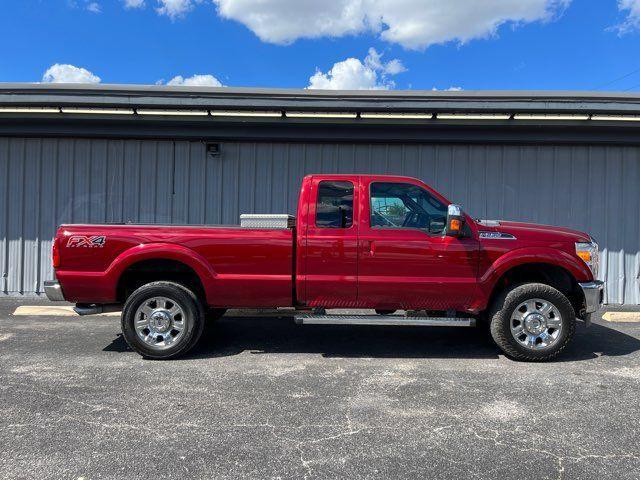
x: 264, y: 398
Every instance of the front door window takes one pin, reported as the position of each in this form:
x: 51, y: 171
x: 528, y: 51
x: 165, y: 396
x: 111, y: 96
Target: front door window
x: 403, y: 205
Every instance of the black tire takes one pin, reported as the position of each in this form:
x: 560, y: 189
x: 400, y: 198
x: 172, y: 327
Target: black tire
x: 500, y: 321
x: 193, y: 319
x: 385, y: 312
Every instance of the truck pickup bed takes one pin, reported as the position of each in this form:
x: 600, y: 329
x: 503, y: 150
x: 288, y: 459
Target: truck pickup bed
x: 237, y: 267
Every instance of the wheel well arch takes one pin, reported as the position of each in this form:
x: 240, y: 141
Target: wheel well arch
x: 158, y: 269
x: 540, y: 272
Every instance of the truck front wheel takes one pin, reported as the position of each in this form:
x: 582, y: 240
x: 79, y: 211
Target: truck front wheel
x: 532, y: 322
x: 162, y: 320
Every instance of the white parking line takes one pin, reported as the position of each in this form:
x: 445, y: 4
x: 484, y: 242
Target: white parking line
x: 52, y: 311
x: 622, y: 317
x: 67, y: 311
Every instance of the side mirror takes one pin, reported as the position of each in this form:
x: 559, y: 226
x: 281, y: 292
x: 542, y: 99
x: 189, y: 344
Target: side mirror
x: 455, y: 221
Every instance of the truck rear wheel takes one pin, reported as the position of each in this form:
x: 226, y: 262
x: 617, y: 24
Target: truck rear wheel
x: 532, y: 322
x: 162, y: 320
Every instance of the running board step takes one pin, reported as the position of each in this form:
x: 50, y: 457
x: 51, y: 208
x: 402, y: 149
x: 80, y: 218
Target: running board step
x: 385, y: 320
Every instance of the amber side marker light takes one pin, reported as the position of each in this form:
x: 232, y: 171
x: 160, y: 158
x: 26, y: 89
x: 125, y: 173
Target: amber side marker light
x: 455, y: 225
x: 584, y: 255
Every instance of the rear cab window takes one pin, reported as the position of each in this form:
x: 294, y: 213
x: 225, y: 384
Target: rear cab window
x: 334, y: 207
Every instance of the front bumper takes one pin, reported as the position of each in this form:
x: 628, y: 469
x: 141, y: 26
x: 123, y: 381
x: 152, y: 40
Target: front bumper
x: 593, y: 295
x: 53, y: 291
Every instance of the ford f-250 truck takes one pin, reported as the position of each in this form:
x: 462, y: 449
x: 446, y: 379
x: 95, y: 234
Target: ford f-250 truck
x: 376, y: 242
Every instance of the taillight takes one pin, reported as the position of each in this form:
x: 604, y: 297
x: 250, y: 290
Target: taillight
x: 55, y: 253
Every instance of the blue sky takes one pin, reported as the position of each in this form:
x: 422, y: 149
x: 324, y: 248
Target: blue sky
x: 501, y: 44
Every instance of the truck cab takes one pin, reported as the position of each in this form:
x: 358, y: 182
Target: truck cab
x: 385, y: 243
x: 383, y: 240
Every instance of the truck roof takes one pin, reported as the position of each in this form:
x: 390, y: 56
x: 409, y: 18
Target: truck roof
x: 381, y: 177
x: 358, y: 175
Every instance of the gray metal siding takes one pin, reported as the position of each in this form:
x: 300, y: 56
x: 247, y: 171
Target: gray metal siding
x: 45, y: 182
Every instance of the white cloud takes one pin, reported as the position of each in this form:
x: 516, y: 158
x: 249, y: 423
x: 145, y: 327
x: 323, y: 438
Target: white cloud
x: 374, y: 61
x: 415, y: 24
x: 64, y: 73
x: 283, y: 21
x: 394, y: 67
x: 352, y: 74
x: 94, y: 7
x: 196, y: 81
x: 632, y: 9
x: 450, y: 89
x: 134, y: 3
x: 175, y: 8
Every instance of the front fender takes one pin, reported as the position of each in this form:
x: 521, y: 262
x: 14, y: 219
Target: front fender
x: 522, y: 256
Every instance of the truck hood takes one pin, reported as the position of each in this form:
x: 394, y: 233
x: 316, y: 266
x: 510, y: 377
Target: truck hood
x: 534, y: 232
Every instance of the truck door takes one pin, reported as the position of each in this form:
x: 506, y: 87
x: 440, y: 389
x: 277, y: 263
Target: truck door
x: 332, y: 243
x: 405, y: 261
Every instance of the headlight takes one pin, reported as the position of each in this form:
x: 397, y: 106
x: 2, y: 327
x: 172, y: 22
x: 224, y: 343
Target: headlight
x: 590, y: 254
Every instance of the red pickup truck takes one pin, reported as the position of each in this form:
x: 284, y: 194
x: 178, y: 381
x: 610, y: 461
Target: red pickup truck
x: 359, y: 242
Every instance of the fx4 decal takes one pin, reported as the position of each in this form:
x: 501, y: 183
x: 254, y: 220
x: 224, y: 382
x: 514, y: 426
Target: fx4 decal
x: 95, y: 241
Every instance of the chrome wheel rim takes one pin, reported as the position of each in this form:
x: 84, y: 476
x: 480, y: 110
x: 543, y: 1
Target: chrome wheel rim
x: 536, y: 324
x: 160, y: 322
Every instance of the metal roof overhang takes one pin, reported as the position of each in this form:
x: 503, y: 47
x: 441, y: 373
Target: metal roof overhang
x: 462, y: 114
x: 162, y: 96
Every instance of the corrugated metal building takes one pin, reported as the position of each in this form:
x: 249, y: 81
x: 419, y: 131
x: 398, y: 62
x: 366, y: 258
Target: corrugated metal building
x: 179, y: 155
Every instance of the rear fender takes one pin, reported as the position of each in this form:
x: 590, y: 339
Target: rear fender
x: 162, y: 251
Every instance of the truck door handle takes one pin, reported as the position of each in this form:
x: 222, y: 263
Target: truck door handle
x: 370, y: 247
